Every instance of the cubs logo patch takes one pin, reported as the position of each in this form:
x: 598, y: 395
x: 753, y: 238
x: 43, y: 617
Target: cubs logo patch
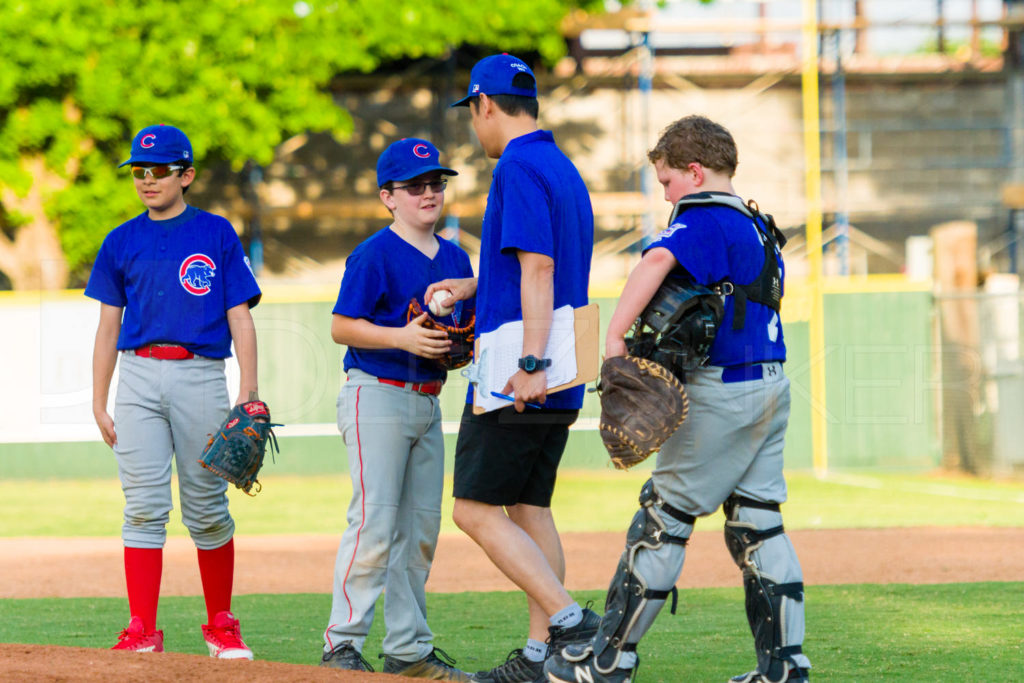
x: 195, y: 274
x: 147, y: 141
x: 422, y: 151
x: 231, y: 423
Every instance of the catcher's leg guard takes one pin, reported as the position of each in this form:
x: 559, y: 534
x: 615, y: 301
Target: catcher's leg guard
x: 773, y: 584
x: 639, y: 588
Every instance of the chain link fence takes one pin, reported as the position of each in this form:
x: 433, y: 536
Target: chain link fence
x: 981, y: 365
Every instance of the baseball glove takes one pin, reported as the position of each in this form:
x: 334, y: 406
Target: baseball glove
x: 642, y: 404
x: 461, y: 351
x: 236, y: 451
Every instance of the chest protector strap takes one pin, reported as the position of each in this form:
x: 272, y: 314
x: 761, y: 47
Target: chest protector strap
x: 766, y: 289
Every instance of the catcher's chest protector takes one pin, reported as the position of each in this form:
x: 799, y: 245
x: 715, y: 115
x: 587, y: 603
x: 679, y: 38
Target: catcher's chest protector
x: 766, y: 289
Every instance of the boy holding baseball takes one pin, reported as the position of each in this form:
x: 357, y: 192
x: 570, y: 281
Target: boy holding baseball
x: 390, y: 419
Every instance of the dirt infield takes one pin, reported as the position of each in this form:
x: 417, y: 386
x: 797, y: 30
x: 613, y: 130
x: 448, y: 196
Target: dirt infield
x: 77, y: 567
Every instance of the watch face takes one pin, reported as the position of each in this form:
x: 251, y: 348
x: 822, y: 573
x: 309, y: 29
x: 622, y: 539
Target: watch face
x: 532, y: 363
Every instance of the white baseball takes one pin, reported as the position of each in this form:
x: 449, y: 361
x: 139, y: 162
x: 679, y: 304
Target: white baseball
x: 436, y: 306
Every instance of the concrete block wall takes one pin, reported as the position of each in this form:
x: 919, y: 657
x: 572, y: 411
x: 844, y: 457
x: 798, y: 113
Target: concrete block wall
x: 920, y: 152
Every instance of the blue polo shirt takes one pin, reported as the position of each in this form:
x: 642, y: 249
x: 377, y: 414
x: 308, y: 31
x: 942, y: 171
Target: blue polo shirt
x: 538, y: 203
x: 382, y: 275
x: 716, y: 242
x: 175, y: 280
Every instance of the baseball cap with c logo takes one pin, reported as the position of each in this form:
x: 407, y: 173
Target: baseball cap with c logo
x: 409, y: 158
x: 160, y: 144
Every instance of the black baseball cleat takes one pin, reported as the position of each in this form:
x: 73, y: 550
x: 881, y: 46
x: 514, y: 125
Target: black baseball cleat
x: 560, y: 636
x: 430, y: 667
x: 796, y: 675
x: 516, y: 669
x: 346, y: 657
x: 558, y: 669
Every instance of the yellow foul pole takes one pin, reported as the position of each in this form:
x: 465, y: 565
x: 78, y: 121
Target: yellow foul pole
x: 812, y: 164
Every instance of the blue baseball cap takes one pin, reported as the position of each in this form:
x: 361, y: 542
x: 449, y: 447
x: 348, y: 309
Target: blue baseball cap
x: 408, y: 158
x: 493, y: 76
x: 159, y: 144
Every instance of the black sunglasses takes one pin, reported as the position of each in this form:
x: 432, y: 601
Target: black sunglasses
x: 416, y: 189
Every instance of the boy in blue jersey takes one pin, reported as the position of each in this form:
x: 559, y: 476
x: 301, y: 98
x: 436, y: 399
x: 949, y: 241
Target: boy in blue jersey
x: 536, y: 245
x: 729, y: 450
x: 390, y: 418
x: 175, y: 290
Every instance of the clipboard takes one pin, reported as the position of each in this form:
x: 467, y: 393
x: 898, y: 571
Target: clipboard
x: 587, y: 332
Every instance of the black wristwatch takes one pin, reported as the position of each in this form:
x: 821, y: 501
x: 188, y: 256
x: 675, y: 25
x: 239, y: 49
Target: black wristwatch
x: 532, y: 364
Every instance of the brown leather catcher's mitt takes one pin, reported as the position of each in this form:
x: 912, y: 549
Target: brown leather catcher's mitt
x: 461, y: 351
x: 642, y: 404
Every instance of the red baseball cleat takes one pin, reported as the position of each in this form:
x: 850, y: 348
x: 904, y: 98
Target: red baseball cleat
x: 224, y: 639
x: 135, y: 639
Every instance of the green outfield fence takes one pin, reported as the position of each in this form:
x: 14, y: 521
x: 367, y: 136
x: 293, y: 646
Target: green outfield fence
x: 880, y: 375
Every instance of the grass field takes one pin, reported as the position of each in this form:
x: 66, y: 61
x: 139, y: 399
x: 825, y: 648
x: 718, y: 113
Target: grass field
x: 584, y: 501
x: 951, y: 632
x: 855, y: 633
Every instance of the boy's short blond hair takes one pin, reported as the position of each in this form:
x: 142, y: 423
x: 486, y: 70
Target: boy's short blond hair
x: 696, y: 139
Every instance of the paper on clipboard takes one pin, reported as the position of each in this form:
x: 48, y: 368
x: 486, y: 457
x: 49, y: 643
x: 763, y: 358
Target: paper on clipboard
x: 498, y: 353
x: 501, y: 349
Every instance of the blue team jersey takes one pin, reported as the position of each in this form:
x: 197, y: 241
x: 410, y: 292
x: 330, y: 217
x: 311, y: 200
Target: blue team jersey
x: 175, y: 280
x: 382, y: 275
x: 712, y: 243
x: 537, y: 203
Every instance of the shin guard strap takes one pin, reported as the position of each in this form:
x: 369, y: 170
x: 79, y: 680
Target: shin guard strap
x: 663, y: 595
x: 793, y: 590
x: 743, y: 501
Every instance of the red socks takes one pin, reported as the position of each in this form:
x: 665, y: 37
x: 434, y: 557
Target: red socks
x: 217, y: 570
x: 142, y: 570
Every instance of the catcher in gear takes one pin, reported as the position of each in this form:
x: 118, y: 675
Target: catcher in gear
x: 728, y: 452
x: 235, y: 452
x: 389, y: 416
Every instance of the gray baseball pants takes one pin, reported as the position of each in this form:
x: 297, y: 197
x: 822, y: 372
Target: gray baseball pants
x: 731, y: 442
x: 396, y: 460
x: 165, y: 411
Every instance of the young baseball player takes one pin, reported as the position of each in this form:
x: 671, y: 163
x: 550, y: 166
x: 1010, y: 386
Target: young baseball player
x: 536, y: 245
x: 175, y: 289
x: 390, y: 418
x: 729, y: 450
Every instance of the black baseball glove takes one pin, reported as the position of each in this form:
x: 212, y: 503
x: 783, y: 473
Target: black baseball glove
x: 236, y: 451
x: 461, y: 351
x: 642, y: 404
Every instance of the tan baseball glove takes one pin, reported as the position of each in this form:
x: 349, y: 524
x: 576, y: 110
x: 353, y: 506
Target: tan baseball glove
x: 642, y: 404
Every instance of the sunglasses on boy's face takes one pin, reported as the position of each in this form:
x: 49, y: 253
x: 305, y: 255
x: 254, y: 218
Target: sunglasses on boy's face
x: 416, y: 189
x: 158, y: 172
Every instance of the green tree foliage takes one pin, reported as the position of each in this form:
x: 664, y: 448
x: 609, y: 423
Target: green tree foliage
x: 79, y: 77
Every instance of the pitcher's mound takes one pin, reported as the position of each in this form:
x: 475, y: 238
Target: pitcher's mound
x: 45, y: 663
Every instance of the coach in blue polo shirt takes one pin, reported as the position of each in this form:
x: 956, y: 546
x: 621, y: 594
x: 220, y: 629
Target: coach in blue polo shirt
x: 536, y: 246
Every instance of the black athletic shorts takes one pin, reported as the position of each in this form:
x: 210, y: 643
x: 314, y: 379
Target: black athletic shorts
x: 504, y: 457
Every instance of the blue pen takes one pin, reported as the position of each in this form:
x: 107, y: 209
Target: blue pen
x: 495, y: 394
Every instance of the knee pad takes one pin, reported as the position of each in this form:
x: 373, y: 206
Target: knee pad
x: 765, y: 597
x: 629, y: 592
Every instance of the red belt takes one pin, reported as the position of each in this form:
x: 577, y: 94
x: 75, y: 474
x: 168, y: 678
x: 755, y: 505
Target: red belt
x: 164, y: 352
x: 431, y: 388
